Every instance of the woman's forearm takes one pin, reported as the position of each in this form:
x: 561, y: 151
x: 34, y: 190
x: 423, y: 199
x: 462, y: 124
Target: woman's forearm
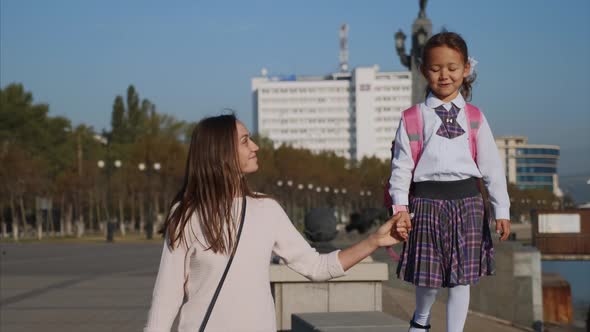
x: 356, y: 253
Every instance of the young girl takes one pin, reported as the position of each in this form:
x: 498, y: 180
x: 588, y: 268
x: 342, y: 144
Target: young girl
x: 220, y: 237
x: 435, y: 174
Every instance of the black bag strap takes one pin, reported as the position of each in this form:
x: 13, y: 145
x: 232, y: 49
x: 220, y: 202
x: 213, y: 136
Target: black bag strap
x: 231, y: 258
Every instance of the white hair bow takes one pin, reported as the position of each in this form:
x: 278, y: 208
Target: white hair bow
x: 472, y: 63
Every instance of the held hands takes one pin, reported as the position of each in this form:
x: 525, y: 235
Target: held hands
x: 403, y: 225
x: 383, y: 237
x: 394, y: 231
x: 386, y: 235
x: 503, y: 228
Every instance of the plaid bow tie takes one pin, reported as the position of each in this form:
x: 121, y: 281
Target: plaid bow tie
x: 449, y: 127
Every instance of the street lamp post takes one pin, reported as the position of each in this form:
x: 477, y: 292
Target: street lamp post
x: 337, y: 206
x: 152, y: 213
x: 361, y: 200
x: 327, y: 197
x: 308, y: 196
x: 318, y: 190
x: 345, y: 205
x: 300, y: 203
x: 290, y: 207
x: 108, y: 165
x: 421, y: 31
x: 109, y: 169
x: 287, y: 196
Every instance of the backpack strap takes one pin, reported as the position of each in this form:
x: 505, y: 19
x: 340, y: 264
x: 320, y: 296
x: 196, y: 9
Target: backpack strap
x: 474, y: 119
x: 413, y: 123
x: 412, y: 120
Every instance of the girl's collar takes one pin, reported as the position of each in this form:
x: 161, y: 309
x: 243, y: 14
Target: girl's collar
x: 433, y: 102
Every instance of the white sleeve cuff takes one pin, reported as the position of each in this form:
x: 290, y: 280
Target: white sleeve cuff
x: 334, y: 266
x: 502, y: 213
x: 400, y: 199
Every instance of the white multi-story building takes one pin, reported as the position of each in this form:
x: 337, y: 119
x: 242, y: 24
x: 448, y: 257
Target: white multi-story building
x: 352, y: 114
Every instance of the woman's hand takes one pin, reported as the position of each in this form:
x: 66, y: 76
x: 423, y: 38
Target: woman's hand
x: 503, y: 228
x: 387, y: 235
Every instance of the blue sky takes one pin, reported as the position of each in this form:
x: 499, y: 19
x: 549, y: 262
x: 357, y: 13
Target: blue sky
x: 194, y: 58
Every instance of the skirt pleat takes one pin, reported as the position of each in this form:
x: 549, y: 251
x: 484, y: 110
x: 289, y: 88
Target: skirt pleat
x: 450, y: 243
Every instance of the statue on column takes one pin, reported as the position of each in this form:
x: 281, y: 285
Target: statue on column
x: 422, y: 12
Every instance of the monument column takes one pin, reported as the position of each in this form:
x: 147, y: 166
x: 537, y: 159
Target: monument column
x: 421, y: 31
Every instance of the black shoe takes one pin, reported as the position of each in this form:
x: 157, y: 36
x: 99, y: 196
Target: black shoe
x: 418, y: 326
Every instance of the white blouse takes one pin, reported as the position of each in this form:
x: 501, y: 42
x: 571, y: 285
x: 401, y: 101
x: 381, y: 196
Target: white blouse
x: 446, y: 159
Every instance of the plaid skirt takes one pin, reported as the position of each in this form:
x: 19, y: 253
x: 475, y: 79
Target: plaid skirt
x: 449, y: 244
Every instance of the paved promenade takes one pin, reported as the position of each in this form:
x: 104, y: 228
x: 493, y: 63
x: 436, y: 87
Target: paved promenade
x: 76, y: 287
x: 107, y: 287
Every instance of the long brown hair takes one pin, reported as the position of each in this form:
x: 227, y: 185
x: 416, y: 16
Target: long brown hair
x: 455, y: 41
x: 212, y: 181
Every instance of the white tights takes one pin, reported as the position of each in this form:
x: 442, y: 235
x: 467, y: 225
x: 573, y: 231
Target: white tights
x: 457, y: 307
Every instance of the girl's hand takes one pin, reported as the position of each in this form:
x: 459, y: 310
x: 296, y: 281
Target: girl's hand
x: 503, y: 228
x: 384, y: 236
x: 402, y: 224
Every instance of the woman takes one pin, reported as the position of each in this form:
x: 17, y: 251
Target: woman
x: 202, y: 229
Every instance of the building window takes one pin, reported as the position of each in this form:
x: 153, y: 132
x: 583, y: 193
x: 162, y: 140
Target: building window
x: 536, y: 161
x: 534, y: 178
x: 535, y: 169
x: 537, y: 151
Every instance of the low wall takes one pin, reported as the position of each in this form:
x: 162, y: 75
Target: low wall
x: 515, y: 293
x: 359, y: 290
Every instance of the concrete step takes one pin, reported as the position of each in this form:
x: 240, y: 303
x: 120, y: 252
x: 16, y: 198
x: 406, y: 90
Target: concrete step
x: 360, y: 321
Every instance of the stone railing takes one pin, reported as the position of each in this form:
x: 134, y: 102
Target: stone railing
x: 359, y: 290
x: 515, y: 293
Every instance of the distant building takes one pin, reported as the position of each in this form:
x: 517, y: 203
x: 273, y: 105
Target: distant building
x: 529, y: 166
x: 354, y: 114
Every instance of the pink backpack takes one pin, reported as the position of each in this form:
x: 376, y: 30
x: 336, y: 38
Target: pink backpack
x: 413, y: 123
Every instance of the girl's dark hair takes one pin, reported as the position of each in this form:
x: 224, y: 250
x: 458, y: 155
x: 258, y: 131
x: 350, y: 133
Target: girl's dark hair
x: 212, y: 180
x: 455, y: 41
